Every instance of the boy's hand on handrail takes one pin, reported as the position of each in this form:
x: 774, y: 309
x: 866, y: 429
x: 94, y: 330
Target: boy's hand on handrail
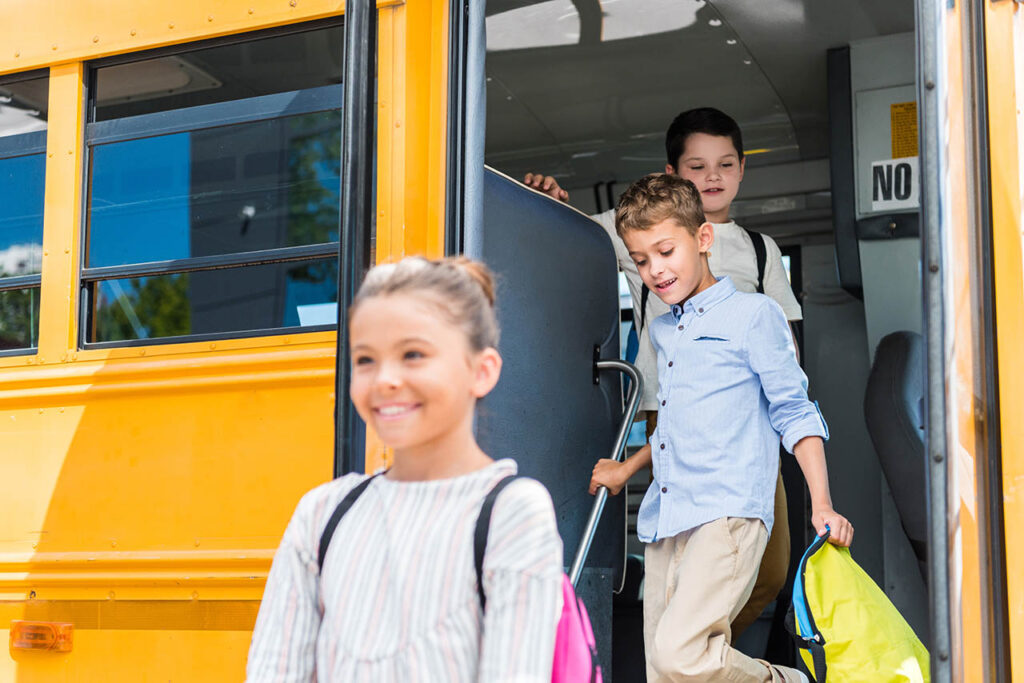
x: 841, y: 531
x: 547, y: 185
x: 610, y: 474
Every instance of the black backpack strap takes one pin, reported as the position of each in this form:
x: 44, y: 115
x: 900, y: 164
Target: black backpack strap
x: 815, y: 645
x: 483, y: 525
x: 645, y: 293
x: 761, y: 254
x: 339, y: 512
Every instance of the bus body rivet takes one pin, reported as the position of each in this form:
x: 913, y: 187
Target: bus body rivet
x: 31, y: 595
x: 934, y: 268
x: 132, y: 32
x: 110, y: 595
x: 251, y: 10
x: 54, y: 46
x: 95, y: 39
x: 17, y: 54
x: 293, y: 3
x: 195, y: 595
x: 930, y: 85
x: 209, y: 18
x: 170, y: 25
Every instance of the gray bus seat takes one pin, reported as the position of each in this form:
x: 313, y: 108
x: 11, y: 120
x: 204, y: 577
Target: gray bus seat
x: 894, y: 411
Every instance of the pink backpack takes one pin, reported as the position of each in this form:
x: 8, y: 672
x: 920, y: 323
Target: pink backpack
x: 575, y: 648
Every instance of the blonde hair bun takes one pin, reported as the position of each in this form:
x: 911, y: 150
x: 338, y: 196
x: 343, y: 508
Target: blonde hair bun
x: 464, y: 290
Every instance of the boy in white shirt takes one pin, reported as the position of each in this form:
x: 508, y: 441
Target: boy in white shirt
x: 705, y: 146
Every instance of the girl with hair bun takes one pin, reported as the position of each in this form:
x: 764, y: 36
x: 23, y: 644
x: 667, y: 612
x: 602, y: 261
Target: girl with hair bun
x: 396, y: 597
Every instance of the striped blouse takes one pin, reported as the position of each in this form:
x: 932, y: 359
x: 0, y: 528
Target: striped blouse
x: 398, y: 599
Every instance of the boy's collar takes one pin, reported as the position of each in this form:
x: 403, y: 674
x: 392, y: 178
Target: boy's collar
x: 708, y: 299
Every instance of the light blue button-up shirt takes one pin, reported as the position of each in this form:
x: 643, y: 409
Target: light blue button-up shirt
x: 729, y: 387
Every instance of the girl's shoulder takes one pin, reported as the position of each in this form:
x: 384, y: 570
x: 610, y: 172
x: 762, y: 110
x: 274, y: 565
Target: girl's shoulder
x: 524, y: 502
x: 316, y: 505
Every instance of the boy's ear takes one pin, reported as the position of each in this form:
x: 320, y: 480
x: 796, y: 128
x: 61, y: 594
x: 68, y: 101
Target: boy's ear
x: 487, y: 368
x: 705, y: 237
x: 743, y: 166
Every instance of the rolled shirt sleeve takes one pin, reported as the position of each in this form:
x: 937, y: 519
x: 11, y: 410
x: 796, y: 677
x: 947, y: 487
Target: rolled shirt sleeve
x: 771, y: 355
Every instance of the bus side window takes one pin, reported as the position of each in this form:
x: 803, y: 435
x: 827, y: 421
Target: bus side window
x: 214, y: 191
x: 23, y: 113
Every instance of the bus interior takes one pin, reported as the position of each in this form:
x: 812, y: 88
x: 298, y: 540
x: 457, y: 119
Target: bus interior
x: 584, y: 90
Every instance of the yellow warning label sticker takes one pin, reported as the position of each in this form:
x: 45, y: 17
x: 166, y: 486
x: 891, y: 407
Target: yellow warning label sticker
x: 903, y: 124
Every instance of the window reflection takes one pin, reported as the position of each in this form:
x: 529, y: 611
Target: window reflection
x: 212, y: 301
x: 21, y: 215
x: 23, y: 106
x: 19, y: 318
x: 220, y: 74
x: 246, y: 187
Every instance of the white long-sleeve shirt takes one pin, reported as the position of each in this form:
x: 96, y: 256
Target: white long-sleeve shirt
x: 398, y: 592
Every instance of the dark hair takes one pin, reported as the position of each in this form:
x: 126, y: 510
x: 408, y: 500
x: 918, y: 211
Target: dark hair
x: 658, y: 197
x: 462, y: 288
x: 705, y: 120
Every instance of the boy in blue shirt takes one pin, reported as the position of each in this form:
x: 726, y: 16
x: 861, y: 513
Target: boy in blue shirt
x: 729, y: 388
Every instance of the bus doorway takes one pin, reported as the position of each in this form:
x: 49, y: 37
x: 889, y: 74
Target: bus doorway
x: 584, y: 90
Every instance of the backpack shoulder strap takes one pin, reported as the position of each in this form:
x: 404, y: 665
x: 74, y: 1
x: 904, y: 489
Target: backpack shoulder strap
x: 645, y: 293
x: 761, y: 253
x: 339, y: 512
x: 483, y: 525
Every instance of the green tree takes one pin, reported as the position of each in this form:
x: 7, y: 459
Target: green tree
x: 146, y: 308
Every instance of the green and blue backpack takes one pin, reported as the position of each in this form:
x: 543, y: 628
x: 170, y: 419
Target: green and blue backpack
x: 846, y: 627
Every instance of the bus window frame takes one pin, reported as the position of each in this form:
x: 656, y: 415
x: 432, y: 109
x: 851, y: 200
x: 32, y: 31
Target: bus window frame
x: 189, y: 119
x: 12, y: 147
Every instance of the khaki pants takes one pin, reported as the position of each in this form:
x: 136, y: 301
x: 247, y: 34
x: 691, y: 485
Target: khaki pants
x: 771, y: 575
x: 694, y: 586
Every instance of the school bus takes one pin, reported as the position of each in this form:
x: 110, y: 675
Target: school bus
x: 190, y: 192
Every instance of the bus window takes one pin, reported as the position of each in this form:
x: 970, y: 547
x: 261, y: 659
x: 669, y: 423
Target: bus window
x: 23, y: 110
x: 214, y: 191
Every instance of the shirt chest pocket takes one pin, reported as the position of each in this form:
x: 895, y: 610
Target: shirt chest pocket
x: 711, y: 349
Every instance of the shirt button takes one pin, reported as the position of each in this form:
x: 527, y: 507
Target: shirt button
x: 700, y: 310
x: 662, y: 446
x: 663, y: 402
x: 670, y: 363
x: 664, y: 489
x: 680, y: 327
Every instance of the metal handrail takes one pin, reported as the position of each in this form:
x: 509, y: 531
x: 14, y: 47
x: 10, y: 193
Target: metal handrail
x: 617, y: 453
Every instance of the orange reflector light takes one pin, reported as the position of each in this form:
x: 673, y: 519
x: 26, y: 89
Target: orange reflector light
x: 52, y: 636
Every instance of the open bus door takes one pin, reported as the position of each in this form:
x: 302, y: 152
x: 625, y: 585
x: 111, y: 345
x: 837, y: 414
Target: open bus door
x: 553, y: 411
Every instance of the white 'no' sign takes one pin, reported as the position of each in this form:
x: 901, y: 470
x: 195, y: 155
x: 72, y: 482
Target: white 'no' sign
x: 894, y: 184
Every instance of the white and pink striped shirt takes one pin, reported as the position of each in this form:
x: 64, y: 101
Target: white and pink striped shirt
x: 398, y: 600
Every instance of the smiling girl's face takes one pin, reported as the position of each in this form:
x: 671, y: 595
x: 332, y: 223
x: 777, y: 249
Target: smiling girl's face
x: 415, y: 379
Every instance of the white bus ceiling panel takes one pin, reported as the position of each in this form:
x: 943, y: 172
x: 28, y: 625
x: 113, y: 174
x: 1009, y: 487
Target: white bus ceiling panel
x: 594, y: 104
x: 585, y: 89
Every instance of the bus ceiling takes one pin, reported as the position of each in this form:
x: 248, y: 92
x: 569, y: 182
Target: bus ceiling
x: 583, y: 89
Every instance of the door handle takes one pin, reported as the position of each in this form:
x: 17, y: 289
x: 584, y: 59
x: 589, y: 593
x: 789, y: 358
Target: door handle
x: 636, y: 387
